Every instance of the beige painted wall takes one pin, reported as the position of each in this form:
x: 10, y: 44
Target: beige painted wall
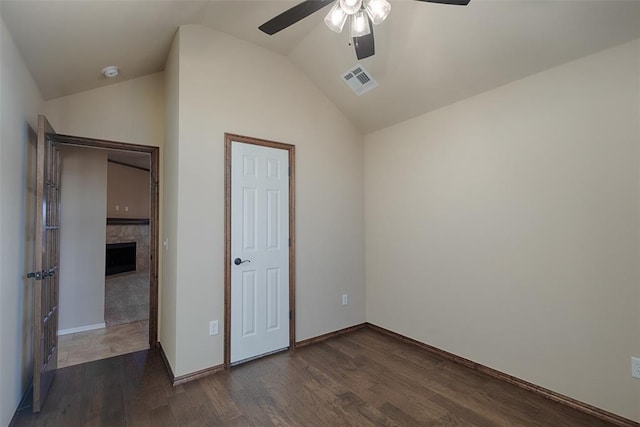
x: 221, y: 90
x: 20, y: 102
x: 505, y: 228
x: 82, y: 237
x: 168, y: 302
x: 131, y: 111
x: 127, y: 192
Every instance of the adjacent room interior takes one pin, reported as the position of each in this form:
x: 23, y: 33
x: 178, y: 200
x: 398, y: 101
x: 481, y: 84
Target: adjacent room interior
x: 480, y: 202
x: 105, y: 256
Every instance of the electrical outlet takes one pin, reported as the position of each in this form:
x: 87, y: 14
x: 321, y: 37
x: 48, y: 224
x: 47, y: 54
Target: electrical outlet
x: 345, y: 299
x: 213, y: 327
x: 635, y: 367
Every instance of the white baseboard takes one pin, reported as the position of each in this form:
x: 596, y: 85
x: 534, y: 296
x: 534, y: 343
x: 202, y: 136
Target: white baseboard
x: 81, y: 329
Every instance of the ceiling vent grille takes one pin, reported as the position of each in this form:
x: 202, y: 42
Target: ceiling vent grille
x: 359, y: 80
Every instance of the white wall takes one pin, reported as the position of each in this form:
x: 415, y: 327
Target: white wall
x: 83, y: 237
x: 505, y: 228
x: 20, y: 102
x: 227, y: 85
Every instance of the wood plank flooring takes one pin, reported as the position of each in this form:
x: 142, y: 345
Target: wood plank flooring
x: 361, y: 378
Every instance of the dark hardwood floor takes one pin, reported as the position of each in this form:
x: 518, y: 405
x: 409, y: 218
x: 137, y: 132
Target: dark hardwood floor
x: 361, y: 378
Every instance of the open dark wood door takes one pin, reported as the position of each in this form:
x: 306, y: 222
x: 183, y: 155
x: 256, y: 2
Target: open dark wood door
x: 47, y: 257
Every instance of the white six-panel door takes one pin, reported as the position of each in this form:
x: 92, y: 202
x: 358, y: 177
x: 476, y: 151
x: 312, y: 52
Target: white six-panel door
x: 260, y: 241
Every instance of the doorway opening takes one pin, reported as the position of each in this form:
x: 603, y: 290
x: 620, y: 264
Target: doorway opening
x: 249, y: 282
x: 130, y: 247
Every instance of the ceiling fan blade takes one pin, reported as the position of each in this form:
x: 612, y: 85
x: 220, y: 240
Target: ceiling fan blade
x: 293, y: 15
x: 365, y: 46
x: 453, y: 2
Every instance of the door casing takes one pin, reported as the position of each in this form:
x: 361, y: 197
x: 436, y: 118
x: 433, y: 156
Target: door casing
x: 228, y: 139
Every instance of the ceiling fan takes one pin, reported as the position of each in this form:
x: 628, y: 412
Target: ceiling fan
x: 362, y: 14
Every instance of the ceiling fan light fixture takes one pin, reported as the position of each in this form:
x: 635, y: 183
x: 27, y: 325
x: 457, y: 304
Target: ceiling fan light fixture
x: 378, y: 10
x: 360, y: 13
x: 360, y: 24
x: 336, y: 18
x: 351, y: 7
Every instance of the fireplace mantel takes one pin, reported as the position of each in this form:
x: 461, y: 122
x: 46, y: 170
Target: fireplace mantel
x: 127, y: 221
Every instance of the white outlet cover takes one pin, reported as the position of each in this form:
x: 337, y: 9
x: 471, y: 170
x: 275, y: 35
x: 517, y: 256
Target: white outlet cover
x: 213, y: 327
x: 635, y: 367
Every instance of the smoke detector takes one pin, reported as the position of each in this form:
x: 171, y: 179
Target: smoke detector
x: 110, y: 72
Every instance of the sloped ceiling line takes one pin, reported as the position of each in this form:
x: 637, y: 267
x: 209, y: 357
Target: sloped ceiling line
x: 427, y: 55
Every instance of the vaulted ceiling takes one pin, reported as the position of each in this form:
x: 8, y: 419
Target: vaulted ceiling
x: 427, y: 55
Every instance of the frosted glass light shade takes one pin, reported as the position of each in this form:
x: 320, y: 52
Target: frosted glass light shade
x: 360, y: 24
x: 378, y: 10
x: 351, y: 7
x: 336, y: 18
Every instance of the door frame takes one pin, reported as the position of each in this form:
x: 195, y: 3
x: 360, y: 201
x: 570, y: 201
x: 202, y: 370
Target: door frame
x: 291, y: 149
x: 154, y: 201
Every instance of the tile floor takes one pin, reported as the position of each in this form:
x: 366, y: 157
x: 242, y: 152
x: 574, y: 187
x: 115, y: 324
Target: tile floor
x: 102, y: 343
